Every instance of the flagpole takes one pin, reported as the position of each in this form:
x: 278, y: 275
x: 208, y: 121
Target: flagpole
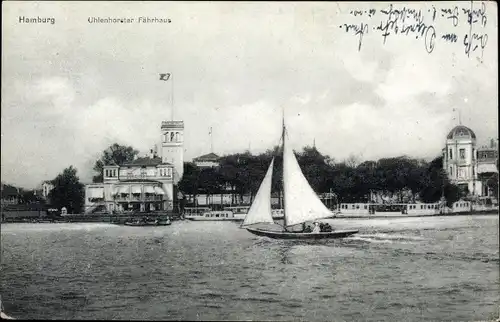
x: 172, y: 98
x: 211, y: 142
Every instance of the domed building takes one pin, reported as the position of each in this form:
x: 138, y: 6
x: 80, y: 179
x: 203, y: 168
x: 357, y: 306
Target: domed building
x: 460, y: 161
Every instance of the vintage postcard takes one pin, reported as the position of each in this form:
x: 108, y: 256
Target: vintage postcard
x: 230, y: 161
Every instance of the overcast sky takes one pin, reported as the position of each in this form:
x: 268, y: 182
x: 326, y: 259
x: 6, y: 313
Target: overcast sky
x: 72, y: 88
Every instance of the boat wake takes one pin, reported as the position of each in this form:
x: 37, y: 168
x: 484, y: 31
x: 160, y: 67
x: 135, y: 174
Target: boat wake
x: 386, y: 238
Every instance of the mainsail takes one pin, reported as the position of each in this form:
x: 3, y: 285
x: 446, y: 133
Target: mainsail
x: 301, y: 202
x: 260, y: 211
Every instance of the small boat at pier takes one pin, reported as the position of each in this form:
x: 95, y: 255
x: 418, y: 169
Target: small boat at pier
x: 234, y: 213
x: 224, y: 215
x: 142, y: 223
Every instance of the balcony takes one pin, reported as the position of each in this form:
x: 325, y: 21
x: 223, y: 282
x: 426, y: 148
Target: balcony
x: 460, y: 162
x: 137, y: 198
x: 144, y: 176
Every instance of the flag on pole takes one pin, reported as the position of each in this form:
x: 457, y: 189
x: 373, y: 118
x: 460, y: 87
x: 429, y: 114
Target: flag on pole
x: 165, y: 77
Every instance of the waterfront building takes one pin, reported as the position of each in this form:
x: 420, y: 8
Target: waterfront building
x: 145, y: 184
x: 487, y: 166
x: 46, y: 189
x: 10, y: 195
x: 207, y: 161
x: 465, y: 164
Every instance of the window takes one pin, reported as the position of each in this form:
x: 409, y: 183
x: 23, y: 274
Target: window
x: 451, y: 171
x: 451, y: 154
x: 462, y: 154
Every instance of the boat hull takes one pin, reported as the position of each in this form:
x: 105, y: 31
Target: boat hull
x: 5, y: 316
x: 146, y: 224
x: 293, y: 235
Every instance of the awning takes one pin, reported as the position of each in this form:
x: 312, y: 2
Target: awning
x: 96, y: 193
x: 149, y: 189
x: 159, y: 191
x: 136, y: 189
x: 124, y: 190
x: 487, y: 168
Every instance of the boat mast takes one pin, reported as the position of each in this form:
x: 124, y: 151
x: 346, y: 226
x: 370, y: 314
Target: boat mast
x: 283, y: 168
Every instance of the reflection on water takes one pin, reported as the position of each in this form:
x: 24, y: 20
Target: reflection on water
x: 440, y: 268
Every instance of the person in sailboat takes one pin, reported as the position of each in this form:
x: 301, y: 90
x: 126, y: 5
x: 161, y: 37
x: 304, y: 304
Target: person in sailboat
x: 316, y: 229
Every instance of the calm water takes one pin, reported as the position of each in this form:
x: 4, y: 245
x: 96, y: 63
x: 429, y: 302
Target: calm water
x: 410, y: 269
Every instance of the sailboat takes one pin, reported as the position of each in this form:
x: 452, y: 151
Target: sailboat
x: 4, y: 316
x: 301, y: 204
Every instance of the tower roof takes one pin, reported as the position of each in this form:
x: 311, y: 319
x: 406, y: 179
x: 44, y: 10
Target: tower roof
x: 461, y: 132
x: 207, y: 157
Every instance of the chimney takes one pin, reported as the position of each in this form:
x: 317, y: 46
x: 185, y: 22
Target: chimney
x: 151, y: 154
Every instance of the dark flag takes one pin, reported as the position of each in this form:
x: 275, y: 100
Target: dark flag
x: 165, y: 77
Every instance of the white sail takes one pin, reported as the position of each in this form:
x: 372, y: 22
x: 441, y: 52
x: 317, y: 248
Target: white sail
x: 301, y: 202
x: 260, y: 211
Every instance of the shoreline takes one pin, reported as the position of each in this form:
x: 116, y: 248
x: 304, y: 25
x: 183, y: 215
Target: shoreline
x: 122, y: 219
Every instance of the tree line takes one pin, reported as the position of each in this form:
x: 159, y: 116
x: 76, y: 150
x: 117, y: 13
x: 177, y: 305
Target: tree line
x: 242, y: 173
x: 349, y: 180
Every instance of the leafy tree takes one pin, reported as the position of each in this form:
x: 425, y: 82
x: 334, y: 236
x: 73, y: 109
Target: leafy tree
x: 68, y: 191
x: 350, y: 180
x: 492, y: 183
x: 28, y: 196
x: 115, y: 154
x: 315, y: 167
x: 190, y: 180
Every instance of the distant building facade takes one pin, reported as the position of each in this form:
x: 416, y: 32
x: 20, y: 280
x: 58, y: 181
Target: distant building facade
x: 10, y: 195
x: 145, y: 184
x: 467, y: 165
x: 46, y: 189
x: 207, y: 161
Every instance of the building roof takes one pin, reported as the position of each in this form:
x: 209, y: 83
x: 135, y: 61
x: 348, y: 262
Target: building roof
x: 8, y: 190
x: 145, y: 161
x: 461, y: 132
x: 207, y: 157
